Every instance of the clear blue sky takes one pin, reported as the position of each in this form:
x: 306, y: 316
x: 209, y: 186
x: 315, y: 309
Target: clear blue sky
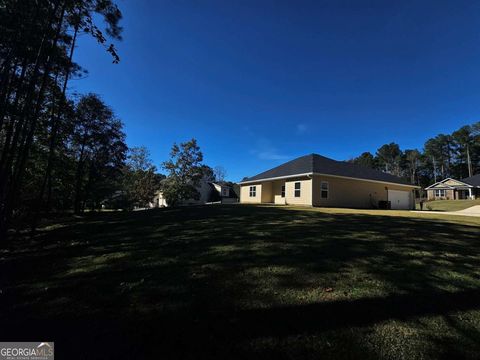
x: 259, y: 82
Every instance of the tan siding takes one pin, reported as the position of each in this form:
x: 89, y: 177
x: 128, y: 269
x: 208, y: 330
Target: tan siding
x: 267, y: 195
x: 352, y: 193
x: 245, y: 194
x: 452, y: 182
x: 277, y: 192
x: 342, y: 192
x: 305, y: 191
x: 270, y: 191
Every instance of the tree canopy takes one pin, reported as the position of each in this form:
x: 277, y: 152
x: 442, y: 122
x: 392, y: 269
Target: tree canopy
x: 184, y: 172
x: 454, y: 155
x: 42, y: 129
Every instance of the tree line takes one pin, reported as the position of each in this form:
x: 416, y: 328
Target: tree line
x: 455, y: 155
x: 56, y: 150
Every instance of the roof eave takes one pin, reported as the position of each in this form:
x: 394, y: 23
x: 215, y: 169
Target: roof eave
x: 274, y: 178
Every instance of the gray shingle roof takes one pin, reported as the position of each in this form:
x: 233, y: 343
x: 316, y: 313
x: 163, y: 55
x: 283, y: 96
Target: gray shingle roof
x: 315, y: 163
x: 472, y: 180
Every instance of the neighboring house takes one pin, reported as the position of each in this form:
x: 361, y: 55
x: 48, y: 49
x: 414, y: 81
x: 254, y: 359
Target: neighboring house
x: 209, y: 192
x: 452, y: 189
x: 319, y: 181
x: 222, y: 189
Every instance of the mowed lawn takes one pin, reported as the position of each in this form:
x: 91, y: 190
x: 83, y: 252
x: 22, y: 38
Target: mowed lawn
x: 230, y: 282
x: 449, y: 205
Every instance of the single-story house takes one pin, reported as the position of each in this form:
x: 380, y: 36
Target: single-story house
x: 316, y: 180
x: 452, y: 189
x: 210, y: 192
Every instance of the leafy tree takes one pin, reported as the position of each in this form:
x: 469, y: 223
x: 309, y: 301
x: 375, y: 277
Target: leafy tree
x: 413, y: 163
x: 366, y: 159
x: 184, y: 173
x: 37, y: 42
x: 99, y: 148
x: 389, y: 157
x: 439, y: 152
x: 208, y: 173
x: 141, y: 180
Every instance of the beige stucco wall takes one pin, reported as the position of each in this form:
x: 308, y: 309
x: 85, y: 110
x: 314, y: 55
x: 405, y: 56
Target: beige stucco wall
x: 277, y: 192
x: 342, y: 192
x: 352, y: 193
x: 305, y: 191
x: 267, y: 194
x: 270, y: 192
x: 245, y: 194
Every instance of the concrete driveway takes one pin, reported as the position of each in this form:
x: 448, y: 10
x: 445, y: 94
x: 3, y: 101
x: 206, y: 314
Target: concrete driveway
x: 471, y: 211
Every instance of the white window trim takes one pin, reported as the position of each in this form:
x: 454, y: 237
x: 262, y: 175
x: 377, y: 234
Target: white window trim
x: 253, y: 190
x: 299, y: 189
x: 322, y: 190
x: 440, y: 193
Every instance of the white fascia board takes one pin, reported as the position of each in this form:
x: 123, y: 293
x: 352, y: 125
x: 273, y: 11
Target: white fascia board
x: 274, y: 178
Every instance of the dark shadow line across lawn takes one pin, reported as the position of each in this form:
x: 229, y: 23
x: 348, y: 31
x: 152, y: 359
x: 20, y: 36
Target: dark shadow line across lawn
x: 209, y: 251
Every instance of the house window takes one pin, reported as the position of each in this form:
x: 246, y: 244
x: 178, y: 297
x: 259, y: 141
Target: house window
x: 253, y: 191
x: 297, y: 189
x: 440, y: 193
x: 324, y: 190
x: 283, y: 191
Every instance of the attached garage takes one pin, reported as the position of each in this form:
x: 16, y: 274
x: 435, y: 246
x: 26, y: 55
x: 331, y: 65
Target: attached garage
x: 400, y: 200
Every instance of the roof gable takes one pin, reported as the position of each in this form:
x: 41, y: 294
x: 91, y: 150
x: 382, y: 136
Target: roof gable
x: 449, y: 183
x: 453, y: 182
x: 440, y: 185
x: 315, y: 163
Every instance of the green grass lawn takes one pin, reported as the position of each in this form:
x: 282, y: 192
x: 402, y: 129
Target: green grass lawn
x: 228, y: 282
x: 449, y: 205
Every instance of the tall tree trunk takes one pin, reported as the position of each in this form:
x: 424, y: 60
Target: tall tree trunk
x: 56, y: 123
x: 79, y: 177
x: 10, y: 178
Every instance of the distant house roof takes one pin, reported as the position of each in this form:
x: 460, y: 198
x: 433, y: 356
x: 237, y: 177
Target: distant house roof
x: 472, y: 180
x: 315, y: 163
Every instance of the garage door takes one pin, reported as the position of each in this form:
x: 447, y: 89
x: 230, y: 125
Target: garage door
x: 400, y: 200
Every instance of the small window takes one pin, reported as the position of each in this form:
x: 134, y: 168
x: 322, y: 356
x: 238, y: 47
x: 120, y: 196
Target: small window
x: 324, y: 190
x: 297, y: 189
x: 283, y: 191
x: 253, y: 191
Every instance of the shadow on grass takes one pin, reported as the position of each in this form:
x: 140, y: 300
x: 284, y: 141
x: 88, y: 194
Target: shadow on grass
x: 245, y: 281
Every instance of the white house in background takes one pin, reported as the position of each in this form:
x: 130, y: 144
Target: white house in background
x: 210, y: 192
